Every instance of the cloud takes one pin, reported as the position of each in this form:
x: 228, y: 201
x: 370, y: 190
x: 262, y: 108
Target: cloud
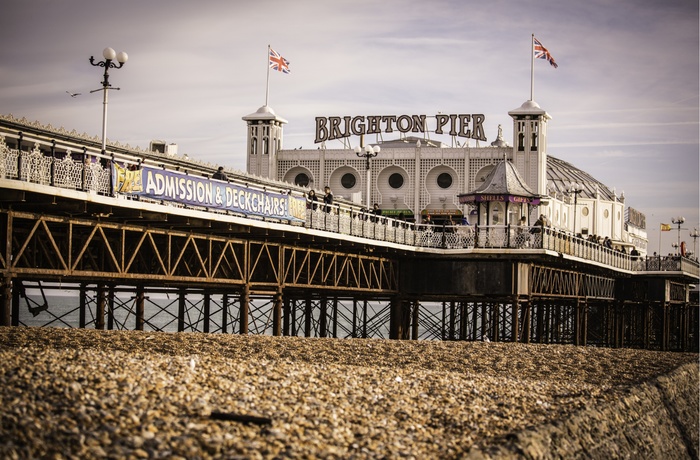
x: 625, y: 92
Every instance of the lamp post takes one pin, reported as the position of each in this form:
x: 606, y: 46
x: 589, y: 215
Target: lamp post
x: 575, y: 189
x: 678, y: 221
x: 368, y: 152
x: 109, y: 54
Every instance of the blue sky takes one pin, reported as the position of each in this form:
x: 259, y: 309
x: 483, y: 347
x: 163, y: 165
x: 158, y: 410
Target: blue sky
x: 624, y: 100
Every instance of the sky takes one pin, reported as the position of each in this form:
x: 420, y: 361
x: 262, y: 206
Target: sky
x: 623, y: 101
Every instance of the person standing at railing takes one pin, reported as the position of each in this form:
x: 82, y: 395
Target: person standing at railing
x: 634, y: 253
x: 312, y: 200
x: 377, y: 212
x: 539, y: 224
x: 521, y: 236
x: 537, y: 231
x: 220, y: 174
x: 327, y: 198
x: 400, y: 221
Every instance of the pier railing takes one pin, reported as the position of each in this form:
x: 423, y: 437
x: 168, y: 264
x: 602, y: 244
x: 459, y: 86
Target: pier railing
x: 73, y: 172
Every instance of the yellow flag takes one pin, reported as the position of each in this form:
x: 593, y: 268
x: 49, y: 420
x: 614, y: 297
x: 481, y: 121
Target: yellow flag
x: 665, y: 227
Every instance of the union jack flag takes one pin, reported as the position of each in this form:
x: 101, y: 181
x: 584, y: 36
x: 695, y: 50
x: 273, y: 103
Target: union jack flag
x: 278, y: 63
x: 542, y: 53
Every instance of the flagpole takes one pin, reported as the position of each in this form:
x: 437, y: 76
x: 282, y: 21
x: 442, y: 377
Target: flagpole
x: 267, y: 85
x: 532, y: 68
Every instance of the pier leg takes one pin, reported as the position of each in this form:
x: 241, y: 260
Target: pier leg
x: 207, y: 311
x: 584, y: 324
x: 277, y: 314
x: 364, y: 319
x: 515, y: 314
x: 527, y: 322
x: 100, y: 313
x: 323, y: 317
x: 398, y: 319
x: 539, y: 318
x: 15, y: 302
x: 577, y: 322
x: 463, y: 320
x: 110, y: 309
x: 245, y: 309
x: 140, y: 307
x: 335, y: 317
x: 308, y: 313
x: 443, y: 332
x: 665, y: 336
x: 181, y: 302
x: 82, y: 306
x: 414, y: 320
x: 354, y: 318
x: 224, y: 313
x: 293, y: 317
x: 395, y: 319
x: 496, y: 314
x: 6, y: 305
x: 287, y: 315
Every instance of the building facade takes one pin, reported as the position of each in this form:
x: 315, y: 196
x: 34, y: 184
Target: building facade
x: 414, y: 176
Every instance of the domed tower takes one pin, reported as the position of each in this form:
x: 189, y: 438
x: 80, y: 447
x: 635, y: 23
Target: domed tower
x: 530, y: 144
x: 264, y: 141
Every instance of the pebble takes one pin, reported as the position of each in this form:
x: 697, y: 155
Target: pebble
x: 77, y: 393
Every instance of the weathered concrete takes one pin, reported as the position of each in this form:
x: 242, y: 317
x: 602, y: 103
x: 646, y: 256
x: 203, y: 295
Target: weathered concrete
x: 655, y: 420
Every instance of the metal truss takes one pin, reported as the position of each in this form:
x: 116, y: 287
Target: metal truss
x: 49, y: 247
x: 555, y: 282
x: 127, y: 276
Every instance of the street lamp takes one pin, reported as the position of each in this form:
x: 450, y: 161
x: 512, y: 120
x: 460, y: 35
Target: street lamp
x: 575, y: 189
x: 678, y: 221
x: 109, y: 54
x: 368, y: 152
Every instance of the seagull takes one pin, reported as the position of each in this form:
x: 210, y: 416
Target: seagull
x: 73, y: 94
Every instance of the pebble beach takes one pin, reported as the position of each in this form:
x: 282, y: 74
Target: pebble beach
x: 76, y: 394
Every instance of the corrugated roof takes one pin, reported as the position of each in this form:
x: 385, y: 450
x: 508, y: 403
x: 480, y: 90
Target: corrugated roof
x: 561, y: 175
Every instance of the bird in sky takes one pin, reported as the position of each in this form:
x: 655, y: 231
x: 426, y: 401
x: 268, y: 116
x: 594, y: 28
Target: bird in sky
x: 73, y: 94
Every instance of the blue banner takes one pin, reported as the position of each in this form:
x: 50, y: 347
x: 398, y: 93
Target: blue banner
x: 160, y: 184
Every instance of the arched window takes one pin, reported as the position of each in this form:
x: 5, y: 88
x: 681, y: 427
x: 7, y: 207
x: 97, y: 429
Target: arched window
x: 254, y: 146
x: 444, y: 180
x: 301, y: 180
x: 348, y: 180
x: 396, y: 181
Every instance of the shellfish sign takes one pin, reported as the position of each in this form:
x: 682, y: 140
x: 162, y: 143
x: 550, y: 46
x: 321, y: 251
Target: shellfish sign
x: 462, y: 125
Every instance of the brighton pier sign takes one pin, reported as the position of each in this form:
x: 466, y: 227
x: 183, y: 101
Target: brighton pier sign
x: 462, y: 125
